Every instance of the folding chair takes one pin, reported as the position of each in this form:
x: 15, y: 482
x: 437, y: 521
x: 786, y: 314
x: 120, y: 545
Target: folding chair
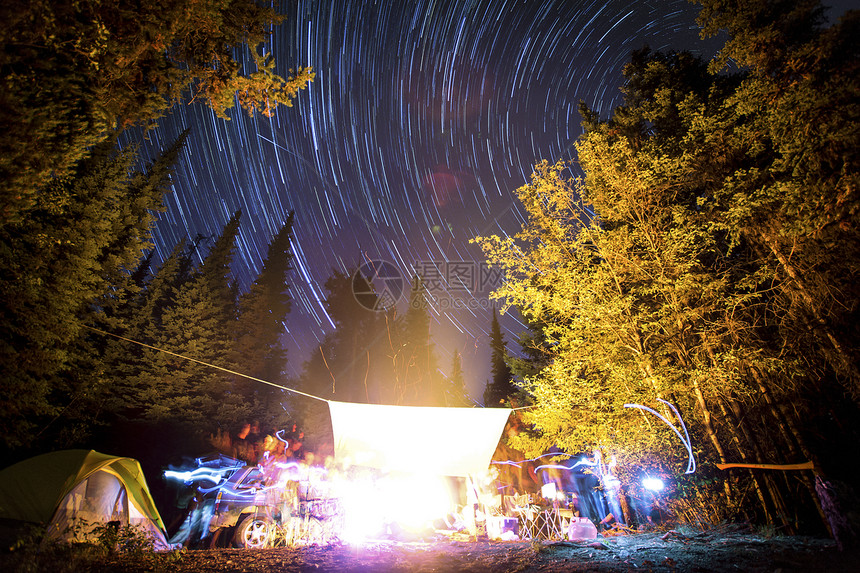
x: 550, y: 525
x: 529, y: 521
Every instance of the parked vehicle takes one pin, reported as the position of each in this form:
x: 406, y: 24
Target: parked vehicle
x: 250, y: 507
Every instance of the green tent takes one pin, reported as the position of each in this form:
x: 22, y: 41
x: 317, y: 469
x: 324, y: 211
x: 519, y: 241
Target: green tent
x: 81, y: 487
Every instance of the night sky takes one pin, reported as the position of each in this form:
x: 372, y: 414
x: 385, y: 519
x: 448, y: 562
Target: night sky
x: 423, y: 118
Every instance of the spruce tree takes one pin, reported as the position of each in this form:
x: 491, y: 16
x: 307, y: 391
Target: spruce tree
x: 455, y: 392
x: 196, y: 322
x: 347, y: 364
x: 258, y: 348
x: 65, y: 266
x: 501, y: 388
x: 352, y: 363
x: 129, y: 365
x: 72, y: 72
x: 418, y: 379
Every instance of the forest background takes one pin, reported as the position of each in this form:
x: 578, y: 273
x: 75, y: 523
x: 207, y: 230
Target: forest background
x: 702, y: 251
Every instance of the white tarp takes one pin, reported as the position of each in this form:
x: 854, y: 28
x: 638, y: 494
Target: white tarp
x: 416, y: 439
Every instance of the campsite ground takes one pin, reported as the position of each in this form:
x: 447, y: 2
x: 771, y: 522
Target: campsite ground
x: 720, y: 551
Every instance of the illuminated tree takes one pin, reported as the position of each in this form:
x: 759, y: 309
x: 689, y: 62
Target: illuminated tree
x: 788, y: 176
x: 602, y: 319
x: 705, y: 258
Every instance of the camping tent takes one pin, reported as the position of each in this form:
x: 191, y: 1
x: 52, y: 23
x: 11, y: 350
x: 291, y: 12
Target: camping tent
x: 81, y: 487
x: 429, y: 440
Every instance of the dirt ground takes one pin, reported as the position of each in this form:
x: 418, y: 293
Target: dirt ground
x: 717, y: 551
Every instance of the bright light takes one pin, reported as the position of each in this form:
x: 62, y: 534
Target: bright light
x: 548, y: 490
x: 372, y: 505
x: 416, y: 439
x: 653, y: 484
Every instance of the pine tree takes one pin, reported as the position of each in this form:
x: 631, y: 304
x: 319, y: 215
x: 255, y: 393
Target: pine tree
x: 74, y: 71
x: 418, y: 379
x: 66, y: 266
x: 455, y: 392
x: 353, y: 362
x: 348, y: 363
x: 501, y: 388
x: 130, y: 366
x: 197, y: 314
x: 262, y: 312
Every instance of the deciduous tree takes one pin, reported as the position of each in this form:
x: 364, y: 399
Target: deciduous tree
x: 704, y: 258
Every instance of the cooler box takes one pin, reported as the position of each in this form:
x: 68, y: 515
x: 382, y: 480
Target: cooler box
x: 580, y: 529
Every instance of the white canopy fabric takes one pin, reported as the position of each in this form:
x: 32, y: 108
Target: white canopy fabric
x: 417, y: 439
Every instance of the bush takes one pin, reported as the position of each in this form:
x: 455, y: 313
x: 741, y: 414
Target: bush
x: 109, y: 547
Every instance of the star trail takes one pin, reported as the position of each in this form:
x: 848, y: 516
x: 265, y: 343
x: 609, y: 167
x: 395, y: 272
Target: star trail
x: 423, y: 118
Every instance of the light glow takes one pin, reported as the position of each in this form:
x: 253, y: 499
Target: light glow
x: 653, y: 484
x: 392, y: 476
x: 199, y: 474
x: 375, y: 507
x: 408, y: 439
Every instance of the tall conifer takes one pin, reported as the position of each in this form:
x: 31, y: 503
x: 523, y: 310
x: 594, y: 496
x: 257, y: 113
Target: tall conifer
x: 66, y: 265
x: 258, y: 349
x: 501, y: 387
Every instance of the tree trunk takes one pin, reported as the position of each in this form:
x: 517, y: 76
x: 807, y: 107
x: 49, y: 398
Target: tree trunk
x: 706, y: 417
x: 790, y: 434
x: 773, y: 488
x: 735, y: 423
x: 769, y: 485
x: 844, y: 362
x: 712, y: 435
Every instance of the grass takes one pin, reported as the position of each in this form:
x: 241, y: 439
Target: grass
x: 103, y: 547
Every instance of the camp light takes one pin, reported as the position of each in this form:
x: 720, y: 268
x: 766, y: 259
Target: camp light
x: 652, y: 484
x: 549, y: 490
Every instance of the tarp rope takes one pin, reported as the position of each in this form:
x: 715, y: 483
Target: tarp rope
x: 293, y: 390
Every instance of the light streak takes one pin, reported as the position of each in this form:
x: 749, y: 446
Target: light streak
x: 362, y: 167
x: 518, y: 464
x: 200, y: 474
x: 685, y: 439
x: 553, y: 467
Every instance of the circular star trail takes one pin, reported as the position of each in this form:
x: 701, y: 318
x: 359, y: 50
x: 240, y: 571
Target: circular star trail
x: 423, y: 118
